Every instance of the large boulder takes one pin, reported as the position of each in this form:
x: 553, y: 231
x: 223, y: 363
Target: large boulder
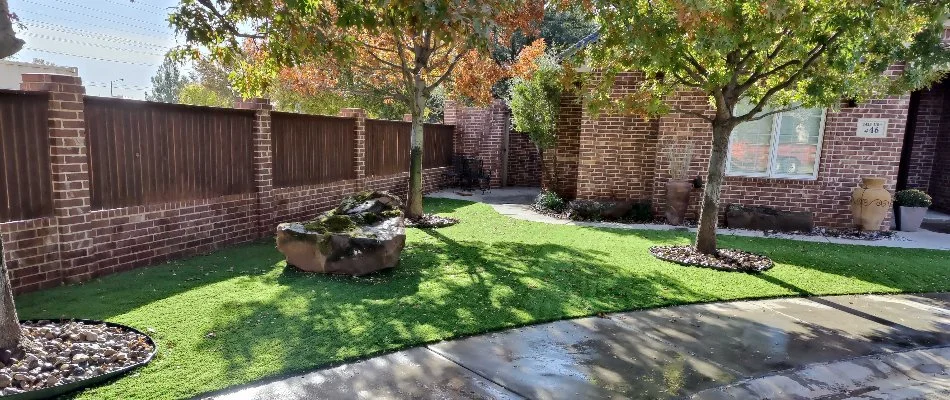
x: 365, y: 234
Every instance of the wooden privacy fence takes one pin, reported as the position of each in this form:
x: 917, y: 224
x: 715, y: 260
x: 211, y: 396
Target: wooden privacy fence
x: 311, y: 149
x: 146, y: 153
x: 25, y: 186
x: 438, y: 145
x: 387, y: 147
x: 388, y: 144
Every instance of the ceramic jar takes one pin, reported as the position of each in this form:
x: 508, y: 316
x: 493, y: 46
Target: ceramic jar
x: 870, y: 203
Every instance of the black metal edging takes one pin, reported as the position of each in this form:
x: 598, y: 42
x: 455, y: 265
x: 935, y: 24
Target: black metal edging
x: 59, y: 390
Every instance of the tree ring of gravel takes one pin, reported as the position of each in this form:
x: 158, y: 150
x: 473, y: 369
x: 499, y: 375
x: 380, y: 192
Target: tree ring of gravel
x: 731, y: 260
x: 72, y: 354
x: 431, y: 221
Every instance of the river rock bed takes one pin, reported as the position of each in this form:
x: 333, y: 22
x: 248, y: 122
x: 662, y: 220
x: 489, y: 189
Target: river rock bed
x: 58, y: 353
x: 726, y: 259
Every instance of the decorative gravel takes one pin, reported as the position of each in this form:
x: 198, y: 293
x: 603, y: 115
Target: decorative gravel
x: 58, y: 353
x: 854, y: 234
x: 428, y: 221
x: 725, y: 260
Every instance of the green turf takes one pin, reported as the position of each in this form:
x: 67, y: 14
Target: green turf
x: 489, y: 272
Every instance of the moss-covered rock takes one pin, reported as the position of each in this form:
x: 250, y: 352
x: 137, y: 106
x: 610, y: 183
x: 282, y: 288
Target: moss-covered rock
x: 365, y: 233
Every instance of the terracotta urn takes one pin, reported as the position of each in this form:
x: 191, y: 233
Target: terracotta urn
x: 677, y: 201
x: 870, y: 203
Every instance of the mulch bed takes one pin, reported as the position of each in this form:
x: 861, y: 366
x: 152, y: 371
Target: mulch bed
x: 59, y: 353
x: 430, y: 221
x: 725, y: 260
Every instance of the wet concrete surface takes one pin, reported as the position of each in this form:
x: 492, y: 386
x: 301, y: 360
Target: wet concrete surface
x: 719, y: 350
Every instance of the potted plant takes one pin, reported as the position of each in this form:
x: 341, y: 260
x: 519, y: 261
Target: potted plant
x: 913, y: 205
x: 680, y: 184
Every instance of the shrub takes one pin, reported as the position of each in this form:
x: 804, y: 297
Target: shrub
x: 641, y: 212
x: 913, y: 198
x: 587, y: 210
x: 549, y: 201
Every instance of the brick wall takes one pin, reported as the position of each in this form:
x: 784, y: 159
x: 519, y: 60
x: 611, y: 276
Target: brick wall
x: 77, y: 243
x: 940, y: 177
x: 524, y: 161
x: 562, y: 178
x: 927, y: 124
x: 481, y: 133
x: 617, y: 151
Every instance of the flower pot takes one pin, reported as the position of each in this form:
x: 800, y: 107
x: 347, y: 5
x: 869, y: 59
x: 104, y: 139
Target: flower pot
x: 911, y: 218
x: 677, y: 201
x: 869, y: 204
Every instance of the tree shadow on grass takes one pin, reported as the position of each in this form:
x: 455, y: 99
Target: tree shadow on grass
x: 442, y: 289
x: 117, y: 294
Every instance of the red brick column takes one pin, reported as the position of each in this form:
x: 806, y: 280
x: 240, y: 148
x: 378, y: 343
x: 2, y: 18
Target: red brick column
x: 263, y: 162
x: 359, y: 147
x: 69, y: 158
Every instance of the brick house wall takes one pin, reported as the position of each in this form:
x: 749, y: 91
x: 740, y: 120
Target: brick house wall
x: 78, y: 243
x: 940, y: 176
x: 617, y: 151
x: 565, y: 155
x: 927, y: 125
x: 624, y: 157
x: 844, y: 160
x: 524, y: 161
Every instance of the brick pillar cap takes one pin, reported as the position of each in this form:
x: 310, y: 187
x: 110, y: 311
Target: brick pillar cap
x: 254, y: 103
x: 51, y: 78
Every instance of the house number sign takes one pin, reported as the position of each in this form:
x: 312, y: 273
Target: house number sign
x: 872, y: 127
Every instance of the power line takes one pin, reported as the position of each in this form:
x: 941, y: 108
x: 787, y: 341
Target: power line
x: 96, y: 16
x: 74, y: 31
x: 93, y: 45
x: 124, y: 17
x: 106, y: 84
x: 130, y: 5
x: 91, y: 57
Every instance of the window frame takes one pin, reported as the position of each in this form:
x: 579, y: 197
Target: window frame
x: 773, y: 153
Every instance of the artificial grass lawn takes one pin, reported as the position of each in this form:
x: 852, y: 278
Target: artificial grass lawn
x: 489, y: 272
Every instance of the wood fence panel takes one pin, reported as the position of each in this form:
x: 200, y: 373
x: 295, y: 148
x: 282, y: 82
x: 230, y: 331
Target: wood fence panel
x: 147, y: 153
x: 439, y: 145
x: 312, y: 149
x: 25, y: 180
x: 387, y: 147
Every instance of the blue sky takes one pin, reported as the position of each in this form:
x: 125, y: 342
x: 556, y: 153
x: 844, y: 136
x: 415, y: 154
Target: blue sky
x: 106, y: 39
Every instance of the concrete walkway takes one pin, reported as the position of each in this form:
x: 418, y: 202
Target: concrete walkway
x: 843, y: 347
x: 516, y: 203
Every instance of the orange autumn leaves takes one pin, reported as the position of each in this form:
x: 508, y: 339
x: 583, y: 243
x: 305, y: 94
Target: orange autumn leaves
x: 472, y: 78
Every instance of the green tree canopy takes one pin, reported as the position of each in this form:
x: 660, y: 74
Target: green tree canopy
x: 167, y: 82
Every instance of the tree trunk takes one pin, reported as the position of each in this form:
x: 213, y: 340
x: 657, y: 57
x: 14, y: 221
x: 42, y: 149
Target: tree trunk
x: 417, y: 109
x: 9, y: 322
x: 709, y: 214
x: 9, y: 43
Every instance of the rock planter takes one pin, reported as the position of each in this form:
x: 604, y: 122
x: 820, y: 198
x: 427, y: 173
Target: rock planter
x: 768, y: 219
x: 67, y: 355
x: 731, y: 260
x: 365, y: 234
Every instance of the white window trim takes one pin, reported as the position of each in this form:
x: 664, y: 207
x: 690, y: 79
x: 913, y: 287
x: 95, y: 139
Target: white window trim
x: 773, y: 152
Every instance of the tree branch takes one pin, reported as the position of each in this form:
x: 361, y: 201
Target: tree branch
x: 448, y: 71
x: 228, y: 25
x: 813, y: 56
x: 779, y: 111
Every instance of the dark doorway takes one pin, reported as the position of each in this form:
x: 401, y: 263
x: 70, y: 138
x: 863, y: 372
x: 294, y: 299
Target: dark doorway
x: 925, y: 157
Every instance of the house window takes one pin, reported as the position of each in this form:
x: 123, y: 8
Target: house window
x: 784, y: 145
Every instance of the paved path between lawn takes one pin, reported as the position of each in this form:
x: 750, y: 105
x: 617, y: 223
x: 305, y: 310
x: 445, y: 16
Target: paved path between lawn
x: 841, y: 347
x: 516, y: 203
